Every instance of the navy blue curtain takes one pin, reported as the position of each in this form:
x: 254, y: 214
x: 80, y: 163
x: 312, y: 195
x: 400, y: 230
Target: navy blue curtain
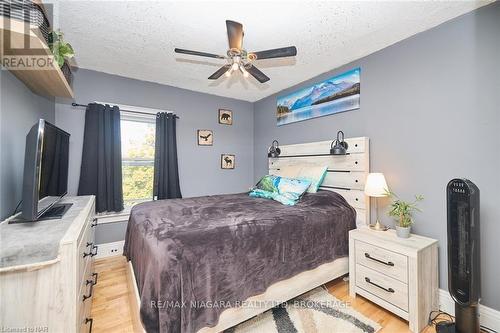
x: 101, y: 169
x: 166, y: 171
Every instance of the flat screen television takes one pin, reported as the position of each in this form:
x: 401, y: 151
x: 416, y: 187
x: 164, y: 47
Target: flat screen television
x: 45, y: 179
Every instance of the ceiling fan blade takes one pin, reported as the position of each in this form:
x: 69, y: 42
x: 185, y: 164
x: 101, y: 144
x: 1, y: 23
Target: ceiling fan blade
x: 201, y: 54
x: 256, y: 73
x: 234, y: 34
x: 219, y: 72
x: 276, y: 53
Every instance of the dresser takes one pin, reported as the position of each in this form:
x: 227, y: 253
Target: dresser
x: 46, y: 271
x: 398, y: 274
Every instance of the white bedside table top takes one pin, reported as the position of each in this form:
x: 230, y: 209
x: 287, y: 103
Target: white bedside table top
x: 389, y: 240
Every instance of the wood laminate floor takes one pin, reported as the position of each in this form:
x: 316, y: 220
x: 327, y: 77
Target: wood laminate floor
x: 111, y: 310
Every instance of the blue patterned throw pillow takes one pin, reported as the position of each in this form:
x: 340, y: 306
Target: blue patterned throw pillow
x: 285, y: 190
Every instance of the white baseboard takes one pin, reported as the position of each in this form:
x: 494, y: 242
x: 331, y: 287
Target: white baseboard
x: 113, y: 217
x: 110, y: 249
x: 488, y: 316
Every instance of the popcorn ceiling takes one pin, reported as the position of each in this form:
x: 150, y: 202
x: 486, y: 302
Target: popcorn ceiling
x: 137, y: 39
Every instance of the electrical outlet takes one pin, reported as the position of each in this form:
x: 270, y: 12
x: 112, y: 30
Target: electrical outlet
x: 110, y: 249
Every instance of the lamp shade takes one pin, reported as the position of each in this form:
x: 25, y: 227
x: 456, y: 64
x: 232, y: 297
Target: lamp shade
x: 376, y: 186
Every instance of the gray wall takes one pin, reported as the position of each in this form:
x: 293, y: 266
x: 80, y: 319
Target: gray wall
x: 19, y: 110
x: 199, y: 167
x: 430, y: 106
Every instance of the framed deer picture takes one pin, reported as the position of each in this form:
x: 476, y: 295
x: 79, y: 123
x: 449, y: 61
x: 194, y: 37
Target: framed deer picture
x: 225, y: 117
x: 205, y: 137
x: 227, y: 161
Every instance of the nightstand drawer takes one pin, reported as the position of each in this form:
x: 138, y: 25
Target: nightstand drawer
x: 383, y: 287
x: 400, y: 275
x: 384, y: 261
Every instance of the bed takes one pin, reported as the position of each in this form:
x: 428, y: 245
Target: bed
x: 205, y: 264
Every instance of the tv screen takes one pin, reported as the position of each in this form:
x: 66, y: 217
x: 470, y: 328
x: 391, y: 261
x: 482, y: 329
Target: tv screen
x: 54, y: 166
x: 45, y: 169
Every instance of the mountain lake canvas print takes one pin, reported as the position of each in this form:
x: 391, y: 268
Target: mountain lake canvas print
x: 337, y: 94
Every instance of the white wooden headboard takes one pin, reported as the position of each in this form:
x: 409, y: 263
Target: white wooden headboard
x: 346, y: 173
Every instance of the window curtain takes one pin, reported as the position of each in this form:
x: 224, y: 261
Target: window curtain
x: 166, y: 171
x: 101, y: 169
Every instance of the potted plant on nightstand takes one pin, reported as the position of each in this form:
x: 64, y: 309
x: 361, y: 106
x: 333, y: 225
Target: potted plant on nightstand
x: 402, y: 211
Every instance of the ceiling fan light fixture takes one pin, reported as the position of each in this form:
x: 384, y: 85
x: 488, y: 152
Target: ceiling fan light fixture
x: 238, y: 58
x: 243, y: 71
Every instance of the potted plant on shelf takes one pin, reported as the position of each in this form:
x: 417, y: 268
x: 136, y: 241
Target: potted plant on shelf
x: 62, y: 52
x: 402, y: 211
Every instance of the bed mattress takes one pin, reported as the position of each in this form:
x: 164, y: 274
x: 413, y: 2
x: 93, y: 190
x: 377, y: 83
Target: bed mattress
x: 195, y: 257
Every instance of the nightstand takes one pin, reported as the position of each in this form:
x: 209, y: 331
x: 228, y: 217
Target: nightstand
x: 400, y: 275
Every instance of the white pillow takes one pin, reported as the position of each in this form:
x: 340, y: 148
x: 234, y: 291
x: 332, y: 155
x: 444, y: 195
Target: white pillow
x: 315, y: 174
x: 311, y: 172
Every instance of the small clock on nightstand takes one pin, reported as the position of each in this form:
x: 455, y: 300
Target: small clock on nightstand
x: 398, y: 274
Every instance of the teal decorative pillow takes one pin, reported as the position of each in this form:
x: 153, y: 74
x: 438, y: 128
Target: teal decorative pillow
x: 267, y: 183
x: 257, y: 193
x: 285, y: 190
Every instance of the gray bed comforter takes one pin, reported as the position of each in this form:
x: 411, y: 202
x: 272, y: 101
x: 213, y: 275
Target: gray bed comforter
x: 194, y: 257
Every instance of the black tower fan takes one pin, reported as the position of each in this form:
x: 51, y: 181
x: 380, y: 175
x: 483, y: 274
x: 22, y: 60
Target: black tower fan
x: 464, y: 272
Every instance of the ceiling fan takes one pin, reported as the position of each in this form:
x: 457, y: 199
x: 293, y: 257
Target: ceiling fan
x: 238, y: 59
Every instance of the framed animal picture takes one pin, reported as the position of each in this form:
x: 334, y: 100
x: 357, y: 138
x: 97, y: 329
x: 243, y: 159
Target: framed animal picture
x: 205, y: 137
x: 225, y: 117
x: 227, y: 161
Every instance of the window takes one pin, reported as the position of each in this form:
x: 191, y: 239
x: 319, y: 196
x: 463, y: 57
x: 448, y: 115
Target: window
x: 138, y: 148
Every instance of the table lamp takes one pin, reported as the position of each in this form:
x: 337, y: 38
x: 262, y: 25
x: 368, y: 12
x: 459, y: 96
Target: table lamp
x: 376, y: 187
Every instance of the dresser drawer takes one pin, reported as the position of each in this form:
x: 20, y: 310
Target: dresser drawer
x: 89, y: 220
x: 85, y: 318
x: 383, y: 287
x: 384, y: 261
x: 87, y: 273
x: 86, y: 326
x: 85, y: 252
x: 84, y: 301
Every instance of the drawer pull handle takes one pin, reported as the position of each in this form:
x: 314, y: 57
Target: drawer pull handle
x: 91, y: 321
x: 85, y: 297
x: 94, y: 222
x: 94, y: 251
x: 389, y: 290
x: 94, y: 282
x: 91, y: 245
x: 388, y: 263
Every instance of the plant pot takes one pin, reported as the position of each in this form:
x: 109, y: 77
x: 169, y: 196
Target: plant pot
x: 66, y: 70
x: 403, y: 232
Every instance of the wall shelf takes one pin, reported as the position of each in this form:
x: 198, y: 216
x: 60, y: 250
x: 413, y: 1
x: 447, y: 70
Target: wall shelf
x: 48, y: 81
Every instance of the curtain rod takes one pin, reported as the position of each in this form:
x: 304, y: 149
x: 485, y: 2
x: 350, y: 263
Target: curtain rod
x: 129, y: 111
